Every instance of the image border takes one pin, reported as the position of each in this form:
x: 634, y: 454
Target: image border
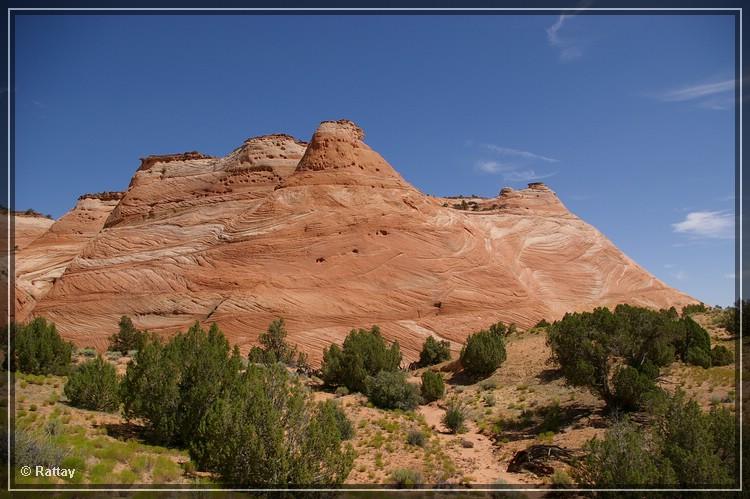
x: 12, y: 11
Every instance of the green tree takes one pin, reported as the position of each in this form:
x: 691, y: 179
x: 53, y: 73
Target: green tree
x: 343, y: 423
x: 39, y: 349
x: 679, y: 446
x: 632, y: 387
x: 587, y: 344
x: 170, y: 385
x: 625, y: 457
x: 690, y: 443
x: 433, y: 386
x: 721, y: 356
x: 127, y: 338
x: 274, y: 346
x: 390, y: 390
x: 693, y: 343
x: 267, y: 431
x: 483, y: 353
x: 93, y: 385
x: 433, y: 352
x: 364, y: 353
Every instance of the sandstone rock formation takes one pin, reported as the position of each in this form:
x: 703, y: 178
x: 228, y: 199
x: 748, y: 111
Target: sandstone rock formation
x: 27, y: 228
x: 41, y: 262
x: 330, y: 237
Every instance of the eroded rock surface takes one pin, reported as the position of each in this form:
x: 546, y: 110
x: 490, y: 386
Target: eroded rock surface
x: 330, y: 237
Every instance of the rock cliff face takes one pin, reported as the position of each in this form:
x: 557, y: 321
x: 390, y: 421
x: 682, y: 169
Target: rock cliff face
x: 40, y: 263
x: 27, y: 228
x: 330, y: 237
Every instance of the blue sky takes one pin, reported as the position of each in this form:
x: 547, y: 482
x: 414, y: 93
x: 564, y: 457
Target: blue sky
x: 630, y: 119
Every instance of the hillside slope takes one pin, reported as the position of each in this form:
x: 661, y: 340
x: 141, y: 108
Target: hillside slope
x: 330, y: 237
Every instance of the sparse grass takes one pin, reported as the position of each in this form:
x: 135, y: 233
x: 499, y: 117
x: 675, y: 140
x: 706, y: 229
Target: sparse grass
x: 489, y: 399
x: 546, y: 437
x: 165, y: 470
x: 127, y: 476
x: 406, y: 477
x: 488, y: 384
x: 101, y: 472
x: 561, y: 479
x: 416, y: 437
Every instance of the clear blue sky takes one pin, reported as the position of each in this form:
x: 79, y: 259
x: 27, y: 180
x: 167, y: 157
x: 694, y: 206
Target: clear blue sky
x: 628, y: 118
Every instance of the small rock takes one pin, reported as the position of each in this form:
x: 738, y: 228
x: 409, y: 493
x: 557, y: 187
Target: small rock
x: 467, y: 444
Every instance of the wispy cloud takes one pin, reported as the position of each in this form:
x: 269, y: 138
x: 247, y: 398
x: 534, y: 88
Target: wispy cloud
x: 511, y: 172
x: 715, y: 95
x: 507, y: 151
x: 569, y: 49
x: 698, y: 91
x: 680, y: 275
x: 729, y: 276
x: 525, y: 175
x: 494, y: 167
x: 707, y: 224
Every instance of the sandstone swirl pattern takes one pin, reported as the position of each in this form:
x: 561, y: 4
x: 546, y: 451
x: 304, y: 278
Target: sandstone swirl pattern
x: 330, y: 237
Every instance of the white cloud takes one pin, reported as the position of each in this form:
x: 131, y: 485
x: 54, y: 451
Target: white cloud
x: 698, y: 91
x: 680, y: 275
x: 569, y: 50
x: 507, y: 151
x: 525, y: 175
x: 668, y: 265
x: 494, y: 167
x: 510, y: 172
x: 730, y: 276
x: 707, y: 224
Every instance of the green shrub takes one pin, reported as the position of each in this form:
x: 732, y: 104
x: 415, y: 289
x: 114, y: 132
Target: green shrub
x: 693, y: 343
x: 169, y: 386
x: 560, y: 479
x: 39, y: 349
x: 483, y: 353
x: 416, y: 437
x: 36, y: 450
x: 698, y: 357
x: 488, y: 384
x: 346, y: 429
x: 681, y: 447
x: 390, y: 390
x: 489, y: 399
x: 631, y: 387
x: 93, y: 385
x: 542, y: 323
x: 721, y: 356
x: 454, y: 417
x: 433, y: 386
x: 586, y: 345
x: 433, y: 352
x: 364, y: 353
x: 693, y: 308
x: 87, y: 352
x: 274, y: 347
x: 265, y: 430
x: 624, y: 458
x: 341, y: 391
x: 127, y: 337
x: 551, y: 418
x: 406, y: 478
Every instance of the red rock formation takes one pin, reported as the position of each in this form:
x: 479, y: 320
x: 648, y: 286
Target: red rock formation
x: 40, y: 263
x: 331, y: 240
